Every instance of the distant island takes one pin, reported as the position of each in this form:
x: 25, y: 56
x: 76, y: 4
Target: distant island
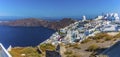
x: 30, y: 22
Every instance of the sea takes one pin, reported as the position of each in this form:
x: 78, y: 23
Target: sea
x: 18, y: 36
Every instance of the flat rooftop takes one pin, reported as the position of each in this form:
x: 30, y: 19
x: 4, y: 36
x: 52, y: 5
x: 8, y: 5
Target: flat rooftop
x: 113, y: 51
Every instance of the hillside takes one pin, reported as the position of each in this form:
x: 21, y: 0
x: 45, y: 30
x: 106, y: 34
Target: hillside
x: 39, y: 22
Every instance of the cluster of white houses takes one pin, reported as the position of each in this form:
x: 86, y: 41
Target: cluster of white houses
x: 82, y: 29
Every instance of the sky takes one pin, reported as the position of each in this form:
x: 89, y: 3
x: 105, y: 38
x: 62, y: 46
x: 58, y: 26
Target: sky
x: 57, y: 8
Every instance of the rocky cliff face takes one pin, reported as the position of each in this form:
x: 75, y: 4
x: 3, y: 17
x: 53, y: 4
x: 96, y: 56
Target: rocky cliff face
x: 38, y: 22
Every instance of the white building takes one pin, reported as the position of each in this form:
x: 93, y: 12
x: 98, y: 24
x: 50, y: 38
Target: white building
x: 84, y: 18
x: 109, y: 28
x: 99, y: 17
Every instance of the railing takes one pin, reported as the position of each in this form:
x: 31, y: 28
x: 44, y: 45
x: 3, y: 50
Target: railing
x: 4, y: 52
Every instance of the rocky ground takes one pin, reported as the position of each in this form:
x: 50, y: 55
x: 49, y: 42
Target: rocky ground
x: 80, y: 49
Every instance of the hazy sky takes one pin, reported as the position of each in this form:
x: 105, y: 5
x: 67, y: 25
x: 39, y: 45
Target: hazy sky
x: 57, y: 8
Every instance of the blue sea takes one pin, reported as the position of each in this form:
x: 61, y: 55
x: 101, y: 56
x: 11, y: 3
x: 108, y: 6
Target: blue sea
x: 23, y: 36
